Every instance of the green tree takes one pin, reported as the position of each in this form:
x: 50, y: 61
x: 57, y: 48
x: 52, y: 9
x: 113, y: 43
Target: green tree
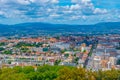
x: 1, y: 49
x: 28, y: 69
x: 57, y: 62
x: 66, y: 55
x: 7, y: 52
x: 2, y: 44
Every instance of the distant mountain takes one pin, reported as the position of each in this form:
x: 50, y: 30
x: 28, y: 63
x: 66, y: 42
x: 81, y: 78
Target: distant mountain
x: 108, y: 23
x: 26, y: 29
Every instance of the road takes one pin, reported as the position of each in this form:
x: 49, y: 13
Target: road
x: 88, y: 61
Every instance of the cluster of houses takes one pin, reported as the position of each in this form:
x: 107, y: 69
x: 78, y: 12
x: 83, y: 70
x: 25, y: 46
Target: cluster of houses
x: 68, y: 51
x: 106, y: 55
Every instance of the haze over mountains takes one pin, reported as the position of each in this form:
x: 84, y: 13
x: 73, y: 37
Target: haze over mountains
x: 38, y: 28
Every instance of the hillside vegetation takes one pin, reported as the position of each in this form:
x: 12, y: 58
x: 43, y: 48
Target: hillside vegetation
x: 56, y: 73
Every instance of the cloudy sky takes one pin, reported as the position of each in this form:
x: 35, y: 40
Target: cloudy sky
x: 59, y: 11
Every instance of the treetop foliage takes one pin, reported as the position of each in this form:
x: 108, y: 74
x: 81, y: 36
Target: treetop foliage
x: 56, y: 73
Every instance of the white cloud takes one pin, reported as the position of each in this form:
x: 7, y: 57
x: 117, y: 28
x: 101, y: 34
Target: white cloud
x: 49, y: 10
x: 100, y: 11
x: 32, y: 0
x: 1, y: 13
x: 87, y: 7
x: 75, y: 17
x: 23, y: 2
x: 81, y: 1
x: 74, y: 1
x: 54, y: 15
x: 84, y: 17
x: 55, y: 1
x: 119, y: 16
x: 76, y: 6
x: 3, y: 1
x: 85, y: 1
x: 42, y: 1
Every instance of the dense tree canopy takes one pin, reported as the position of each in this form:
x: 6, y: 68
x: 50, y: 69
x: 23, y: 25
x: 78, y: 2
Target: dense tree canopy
x: 2, y: 43
x: 1, y: 49
x: 23, y: 44
x: 7, y: 52
x: 56, y: 73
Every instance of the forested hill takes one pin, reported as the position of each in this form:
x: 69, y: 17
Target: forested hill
x: 25, y: 29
